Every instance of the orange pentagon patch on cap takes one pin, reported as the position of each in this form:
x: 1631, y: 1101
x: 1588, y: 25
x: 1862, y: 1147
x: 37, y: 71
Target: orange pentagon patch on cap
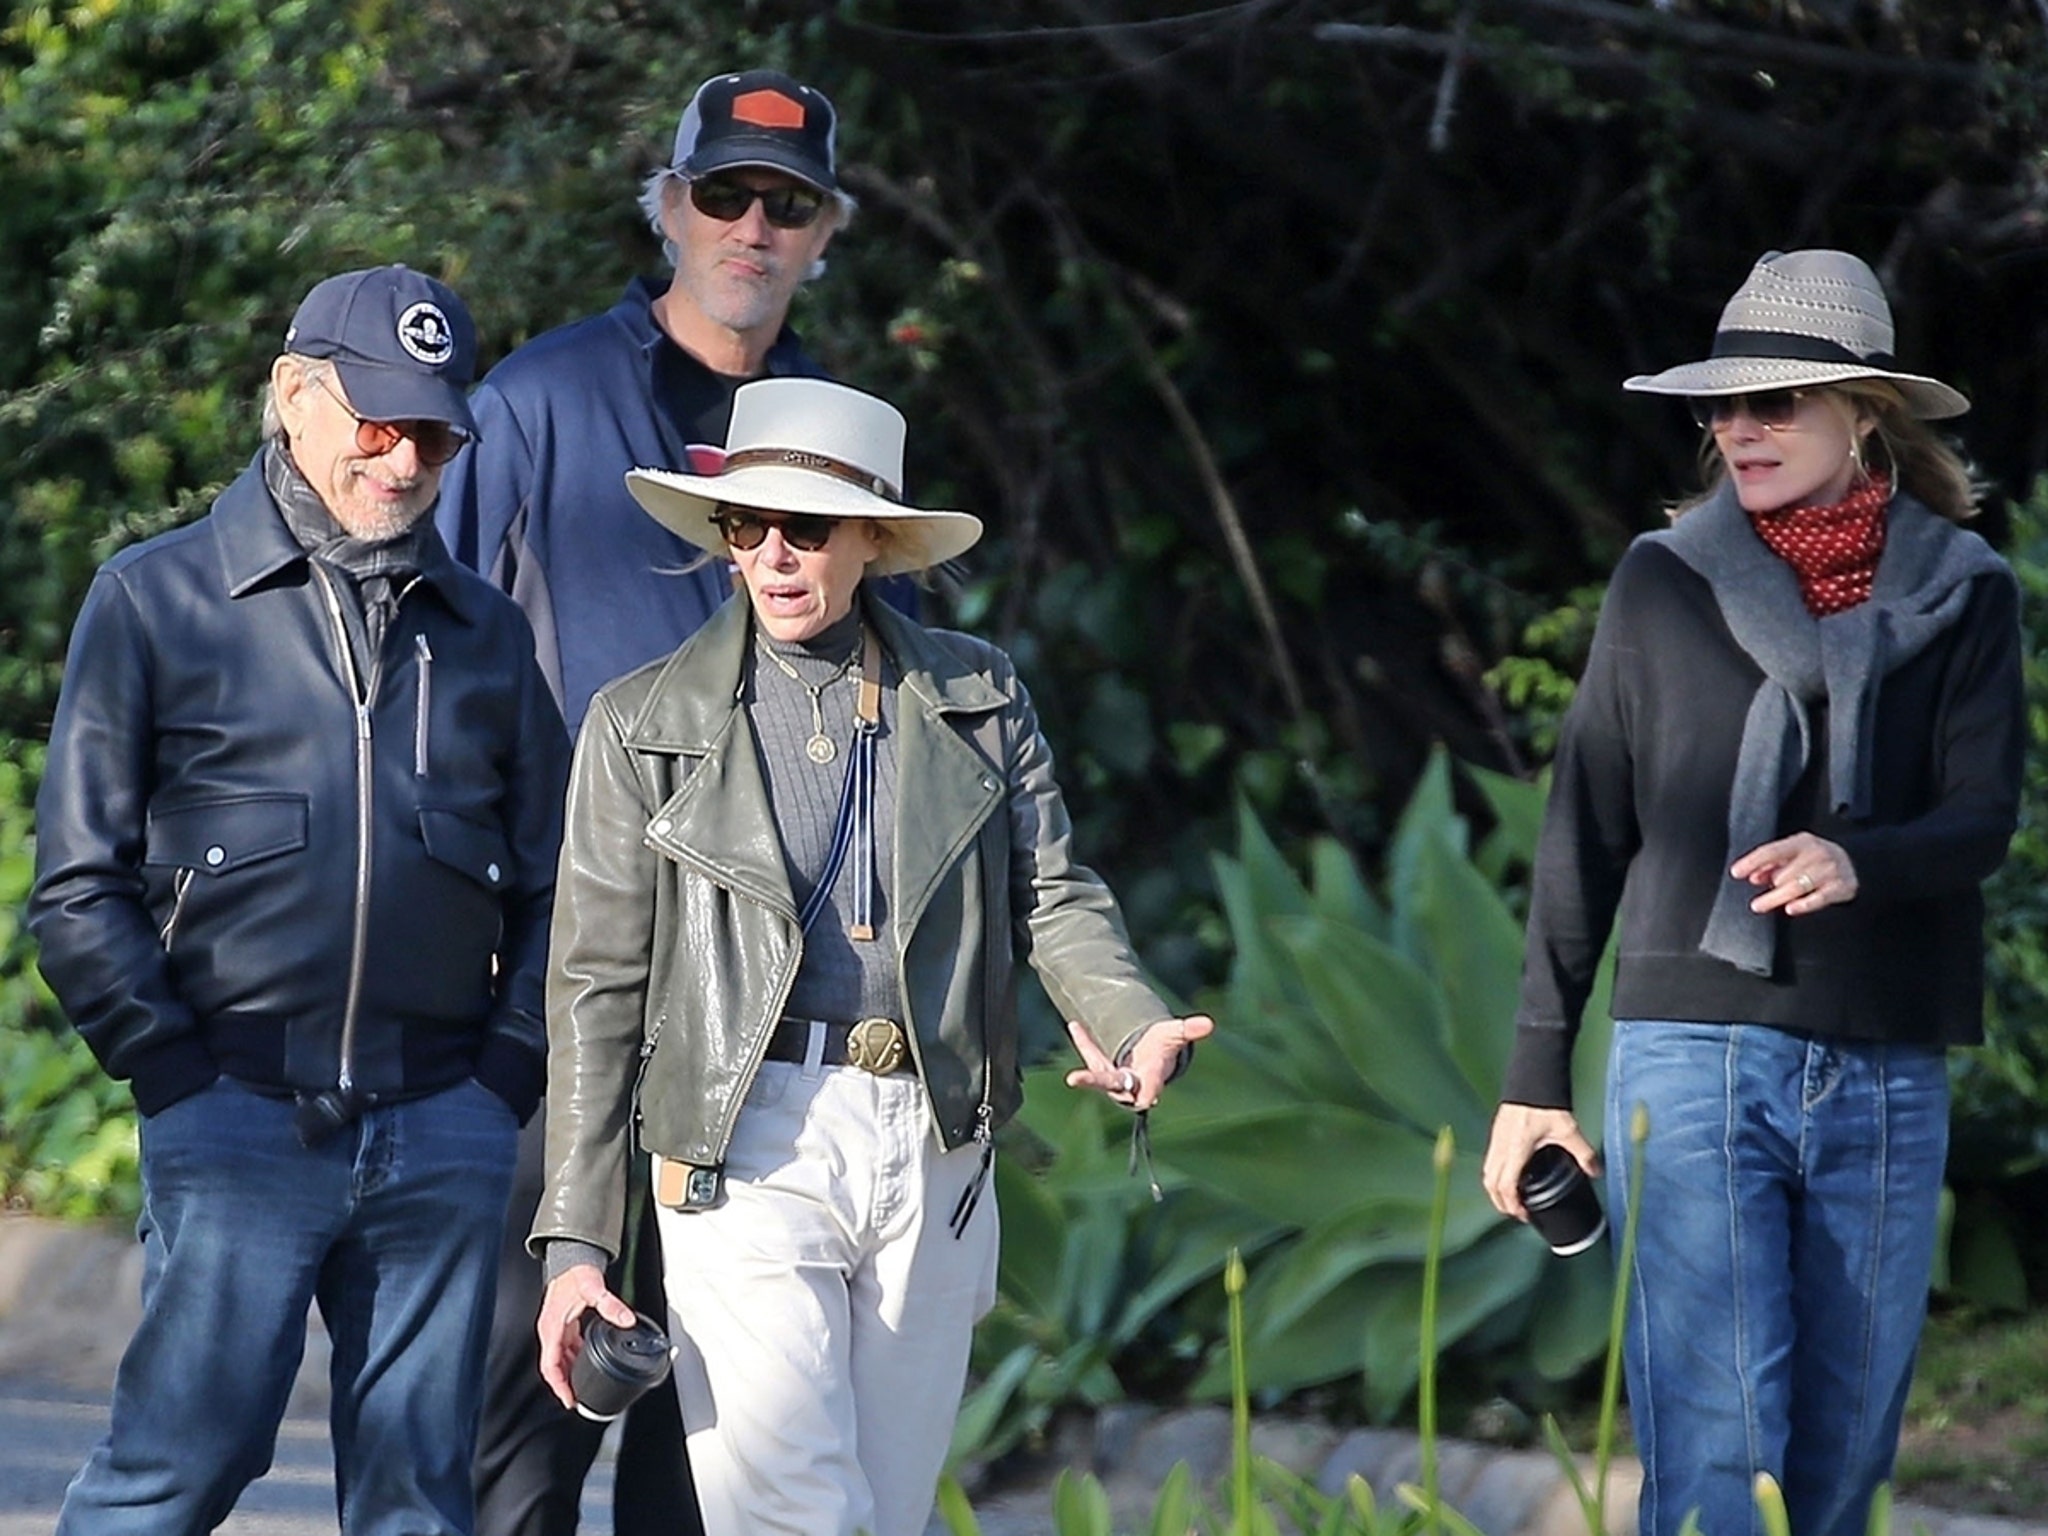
x: 758, y: 117
x: 768, y: 109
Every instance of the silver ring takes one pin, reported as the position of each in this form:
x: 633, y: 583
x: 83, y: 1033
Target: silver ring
x: 1127, y: 1082
x: 1805, y: 883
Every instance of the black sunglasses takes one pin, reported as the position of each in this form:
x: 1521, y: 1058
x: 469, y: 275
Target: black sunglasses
x: 1772, y: 409
x: 788, y: 206
x: 745, y: 528
x: 435, y: 441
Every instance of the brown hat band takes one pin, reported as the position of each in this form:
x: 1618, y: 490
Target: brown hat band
x: 1803, y: 349
x: 818, y: 463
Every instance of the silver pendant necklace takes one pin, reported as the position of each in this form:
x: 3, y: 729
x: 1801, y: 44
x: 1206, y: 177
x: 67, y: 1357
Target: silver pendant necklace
x: 820, y: 748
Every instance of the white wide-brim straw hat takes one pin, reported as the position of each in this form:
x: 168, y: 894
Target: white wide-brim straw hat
x: 1803, y: 318
x: 809, y: 446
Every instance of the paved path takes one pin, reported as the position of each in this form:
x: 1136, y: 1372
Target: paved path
x: 48, y: 1427
x: 68, y: 1303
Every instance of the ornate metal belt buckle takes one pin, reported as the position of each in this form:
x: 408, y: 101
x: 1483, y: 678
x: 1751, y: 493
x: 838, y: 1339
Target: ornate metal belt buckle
x: 875, y: 1045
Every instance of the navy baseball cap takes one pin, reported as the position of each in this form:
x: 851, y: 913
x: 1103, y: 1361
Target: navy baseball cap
x: 403, y: 344
x: 758, y: 117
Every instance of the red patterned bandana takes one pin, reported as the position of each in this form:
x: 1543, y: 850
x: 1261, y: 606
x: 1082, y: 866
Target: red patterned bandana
x: 1832, y: 550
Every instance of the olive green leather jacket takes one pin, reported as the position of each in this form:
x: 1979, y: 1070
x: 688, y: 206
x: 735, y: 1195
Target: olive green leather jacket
x: 676, y: 938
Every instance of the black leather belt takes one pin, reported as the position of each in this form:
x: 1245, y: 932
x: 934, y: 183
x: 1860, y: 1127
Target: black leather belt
x: 873, y: 1045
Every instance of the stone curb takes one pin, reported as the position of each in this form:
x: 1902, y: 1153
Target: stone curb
x: 69, y: 1301
x: 1501, y: 1491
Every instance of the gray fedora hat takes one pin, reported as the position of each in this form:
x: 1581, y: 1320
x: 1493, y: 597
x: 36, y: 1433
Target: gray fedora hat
x: 1800, y: 319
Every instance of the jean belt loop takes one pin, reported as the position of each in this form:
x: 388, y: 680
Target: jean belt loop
x: 814, y: 1051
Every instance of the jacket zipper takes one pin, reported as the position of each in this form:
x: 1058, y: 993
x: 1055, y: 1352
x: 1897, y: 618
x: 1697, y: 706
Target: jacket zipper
x: 646, y: 1056
x: 422, y: 704
x: 181, y: 887
x: 722, y: 1138
x: 363, y: 695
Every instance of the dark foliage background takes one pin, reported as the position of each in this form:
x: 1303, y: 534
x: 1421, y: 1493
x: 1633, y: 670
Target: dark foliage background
x: 1279, y: 341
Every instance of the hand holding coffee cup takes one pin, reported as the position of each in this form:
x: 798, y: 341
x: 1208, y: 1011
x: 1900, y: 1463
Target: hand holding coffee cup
x: 1562, y: 1203
x: 616, y: 1365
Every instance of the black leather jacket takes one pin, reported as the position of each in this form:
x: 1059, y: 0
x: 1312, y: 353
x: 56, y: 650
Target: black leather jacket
x: 241, y: 869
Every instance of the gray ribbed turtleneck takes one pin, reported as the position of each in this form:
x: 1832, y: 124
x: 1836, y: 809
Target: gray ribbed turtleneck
x: 839, y: 978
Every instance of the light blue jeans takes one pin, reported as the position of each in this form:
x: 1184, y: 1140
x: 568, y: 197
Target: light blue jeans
x: 391, y: 1226
x: 1790, y: 1188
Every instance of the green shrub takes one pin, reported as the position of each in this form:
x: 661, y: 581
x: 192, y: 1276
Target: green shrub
x: 67, y: 1142
x: 1352, y: 1028
x: 1263, y: 1498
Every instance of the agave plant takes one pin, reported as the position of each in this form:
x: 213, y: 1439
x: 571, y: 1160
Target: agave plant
x: 1355, y: 1027
x: 1089, y: 1264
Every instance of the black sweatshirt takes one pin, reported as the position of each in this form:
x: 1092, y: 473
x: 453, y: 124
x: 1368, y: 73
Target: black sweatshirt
x: 1638, y: 820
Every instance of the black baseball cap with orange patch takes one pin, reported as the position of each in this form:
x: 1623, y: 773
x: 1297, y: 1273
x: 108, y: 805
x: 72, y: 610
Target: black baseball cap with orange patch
x: 758, y: 117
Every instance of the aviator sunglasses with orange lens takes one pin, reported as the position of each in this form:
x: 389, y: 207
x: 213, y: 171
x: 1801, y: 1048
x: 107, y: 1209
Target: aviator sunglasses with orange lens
x: 745, y: 528
x: 1772, y: 409
x: 788, y: 206
x: 435, y: 441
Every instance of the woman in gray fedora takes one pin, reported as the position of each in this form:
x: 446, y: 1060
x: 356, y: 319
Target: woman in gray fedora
x: 1793, y: 759
x: 804, y: 854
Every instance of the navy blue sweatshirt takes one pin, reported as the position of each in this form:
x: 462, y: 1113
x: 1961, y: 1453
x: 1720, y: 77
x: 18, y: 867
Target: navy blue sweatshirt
x: 540, y: 505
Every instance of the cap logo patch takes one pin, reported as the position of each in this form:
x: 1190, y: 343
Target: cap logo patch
x: 767, y: 109
x: 425, y: 333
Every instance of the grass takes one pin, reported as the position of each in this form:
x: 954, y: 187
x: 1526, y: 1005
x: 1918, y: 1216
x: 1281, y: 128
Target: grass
x: 1976, y: 1431
x: 1975, y: 1437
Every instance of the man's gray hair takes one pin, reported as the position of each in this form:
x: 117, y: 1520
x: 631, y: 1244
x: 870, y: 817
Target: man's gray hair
x: 315, y: 368
x: 654, y: 195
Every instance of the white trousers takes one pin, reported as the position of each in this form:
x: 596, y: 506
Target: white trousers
x: 824, y: 1310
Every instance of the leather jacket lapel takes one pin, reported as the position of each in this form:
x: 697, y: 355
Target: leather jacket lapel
x: 954, y: 787
x: 718, y: 821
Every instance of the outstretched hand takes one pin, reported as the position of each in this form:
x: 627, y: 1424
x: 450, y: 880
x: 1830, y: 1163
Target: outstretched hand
x: 1153, y: 1056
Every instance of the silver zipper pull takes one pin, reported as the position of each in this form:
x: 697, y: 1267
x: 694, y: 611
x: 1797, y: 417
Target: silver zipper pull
x: 422, y: 704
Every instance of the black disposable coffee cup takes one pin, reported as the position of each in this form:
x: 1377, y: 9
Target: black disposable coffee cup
x: 1562, y: 1203
x: 616, y: 1365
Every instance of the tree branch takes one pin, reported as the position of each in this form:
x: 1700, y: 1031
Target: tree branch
x: 1709, y: 45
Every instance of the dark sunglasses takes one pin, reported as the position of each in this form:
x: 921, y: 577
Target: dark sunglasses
x: 745, y: 529
x: 435, y: 441
x: 1772, y: 409
x: 787, y: 206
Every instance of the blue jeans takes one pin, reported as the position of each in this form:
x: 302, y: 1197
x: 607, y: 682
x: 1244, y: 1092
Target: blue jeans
x: 1790, y: 1188
x: 391, y: 1226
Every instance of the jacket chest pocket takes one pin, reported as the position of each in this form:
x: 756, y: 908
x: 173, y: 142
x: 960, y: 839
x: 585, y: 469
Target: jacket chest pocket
x: 216, y: 838
x: 469, y: 847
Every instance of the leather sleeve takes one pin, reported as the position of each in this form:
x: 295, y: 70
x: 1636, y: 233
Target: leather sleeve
x: 603, y: 937
x: 514, y: 1054
x: 1069, y: 925
x: 98, y: 941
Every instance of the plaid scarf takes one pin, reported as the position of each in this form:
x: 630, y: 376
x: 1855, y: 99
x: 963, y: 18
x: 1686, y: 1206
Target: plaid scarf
x: 377, y: 569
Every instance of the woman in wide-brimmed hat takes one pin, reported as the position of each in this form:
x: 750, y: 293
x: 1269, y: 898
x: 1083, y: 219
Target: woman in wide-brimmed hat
x: 1793, y: 759
x: 803, y: 855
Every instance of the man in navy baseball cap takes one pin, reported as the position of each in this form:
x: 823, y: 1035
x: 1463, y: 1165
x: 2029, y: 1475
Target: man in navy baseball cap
x: 403, y: 344
x: 295, y: 869
x: 758, y: 117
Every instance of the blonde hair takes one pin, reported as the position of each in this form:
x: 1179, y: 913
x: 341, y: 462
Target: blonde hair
x: 1922, y: 462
